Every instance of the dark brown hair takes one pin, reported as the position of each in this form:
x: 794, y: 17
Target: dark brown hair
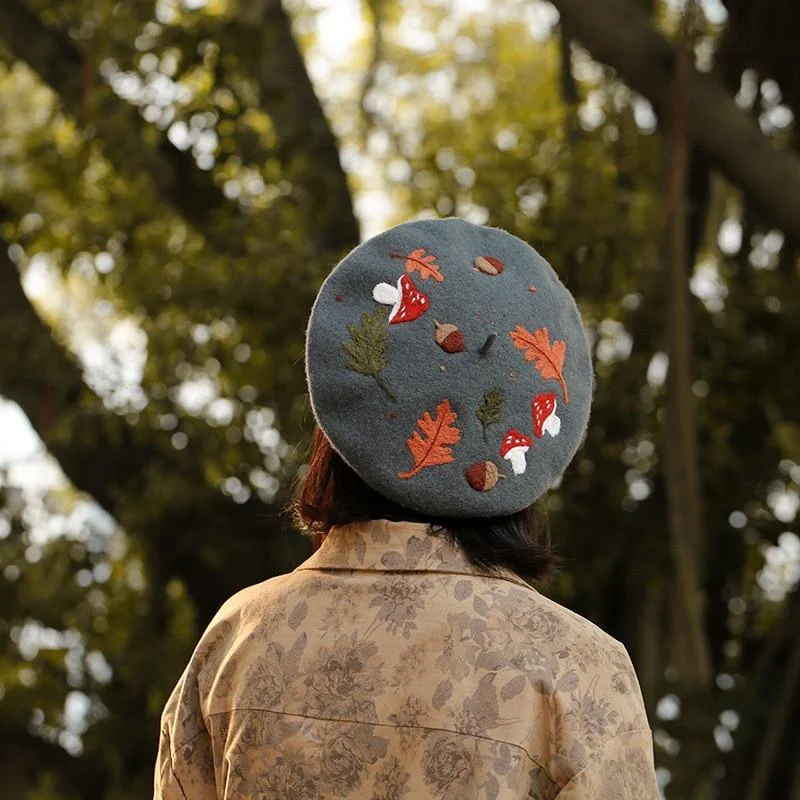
x: 331, y: 493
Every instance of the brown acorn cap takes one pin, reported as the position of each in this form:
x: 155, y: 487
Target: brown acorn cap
x: 488, y: 265
x: 448, y: 337
x: 482, y: 476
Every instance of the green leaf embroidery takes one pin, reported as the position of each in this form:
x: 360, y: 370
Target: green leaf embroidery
x: 490, y: 408
x: 367, y: 346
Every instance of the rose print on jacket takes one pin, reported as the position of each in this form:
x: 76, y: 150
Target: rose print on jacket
x: 346, y: 758
x: 597, y: 713
x: 268, y: 675
x: 293, y: 773
x: 343, y: 679
x: 392, y: 781
x: 449, y: 764
x: 481, y: 688
x: 398, y: 603
x: 341, y: 607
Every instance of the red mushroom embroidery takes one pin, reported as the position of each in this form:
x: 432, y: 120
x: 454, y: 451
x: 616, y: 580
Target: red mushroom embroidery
x: 545, y: 419
x: 513, y: 449
x: 406, y: 300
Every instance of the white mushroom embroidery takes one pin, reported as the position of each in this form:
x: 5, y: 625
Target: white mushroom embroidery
x: 545, y: 419
x: 513, y: 449
x: 406, y: 300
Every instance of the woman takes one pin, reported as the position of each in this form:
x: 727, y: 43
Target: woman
x: 410, y: 656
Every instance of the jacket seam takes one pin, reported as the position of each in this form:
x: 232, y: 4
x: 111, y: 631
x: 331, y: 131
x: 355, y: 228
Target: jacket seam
x: 392, y: 725
x: 596, y: 755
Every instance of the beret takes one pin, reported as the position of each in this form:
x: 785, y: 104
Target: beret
x: 448, y: 366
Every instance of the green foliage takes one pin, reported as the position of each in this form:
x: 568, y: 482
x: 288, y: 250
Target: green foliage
x: 491, y: 407
x: 366, y: 348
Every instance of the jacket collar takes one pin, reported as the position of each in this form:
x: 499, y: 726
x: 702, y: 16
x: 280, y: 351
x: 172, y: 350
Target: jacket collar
x: 389, y: 545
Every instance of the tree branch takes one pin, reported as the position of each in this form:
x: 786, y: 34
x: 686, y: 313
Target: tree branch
x: 46, y: 381
x: 60, y: 63
x: 37, y: 373
x: 618, y: 33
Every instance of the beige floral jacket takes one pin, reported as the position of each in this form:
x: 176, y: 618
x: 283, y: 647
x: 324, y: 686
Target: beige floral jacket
x: 385, y: 667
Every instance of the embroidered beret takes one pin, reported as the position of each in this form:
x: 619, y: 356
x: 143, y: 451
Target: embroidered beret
x: 447, y: 364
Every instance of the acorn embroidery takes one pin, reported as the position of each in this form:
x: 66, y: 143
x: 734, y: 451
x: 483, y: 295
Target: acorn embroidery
x: 488, y: 265
x: 448, y: 337
x: 482, y: 476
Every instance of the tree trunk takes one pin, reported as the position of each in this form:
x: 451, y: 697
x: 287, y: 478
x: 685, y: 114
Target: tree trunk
x: 619, y: 33
x: 305, y: 136
x: 682, y: 476
x: 650, y: 650
x: 774, y: 736
x: 690, y: 652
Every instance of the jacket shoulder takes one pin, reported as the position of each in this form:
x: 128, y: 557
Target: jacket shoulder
x: 583, y: 677
x: 253, y: 597
x: 555, y: 623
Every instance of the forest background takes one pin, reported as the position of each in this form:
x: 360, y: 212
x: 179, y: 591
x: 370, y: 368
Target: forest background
x: 176, y: 179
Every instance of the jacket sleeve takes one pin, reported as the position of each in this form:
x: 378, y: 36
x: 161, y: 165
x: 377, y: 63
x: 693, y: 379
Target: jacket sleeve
x: 185, y: 763
x: 166, y: 785
x: 622, y: 767
x: 623, y: 770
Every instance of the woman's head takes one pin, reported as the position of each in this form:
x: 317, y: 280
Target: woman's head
x: 448, y: 366
x: 331, y: 493
x: 451, y: 378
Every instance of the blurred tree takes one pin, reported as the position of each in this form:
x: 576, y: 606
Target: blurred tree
x: 172, y: 193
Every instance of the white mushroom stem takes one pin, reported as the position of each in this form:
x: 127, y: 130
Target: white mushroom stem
x: 386, y: 293
x: 552, y: 424
x: 516, y: 455
x: 389, y: 295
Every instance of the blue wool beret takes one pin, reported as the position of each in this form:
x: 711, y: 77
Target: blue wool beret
x: 447, y: 364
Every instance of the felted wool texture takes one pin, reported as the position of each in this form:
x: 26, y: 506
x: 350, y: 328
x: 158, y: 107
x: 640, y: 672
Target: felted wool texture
x: 370, y: 431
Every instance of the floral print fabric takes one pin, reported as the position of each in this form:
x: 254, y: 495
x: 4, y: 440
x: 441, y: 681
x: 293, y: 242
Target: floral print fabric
x: 386, y: 667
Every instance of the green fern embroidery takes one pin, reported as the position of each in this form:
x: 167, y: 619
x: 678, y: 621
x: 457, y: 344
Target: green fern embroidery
x: 490, y: 408
x: 367, y: 346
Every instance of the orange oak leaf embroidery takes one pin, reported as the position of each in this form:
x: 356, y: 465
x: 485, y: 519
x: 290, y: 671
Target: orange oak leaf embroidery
x: 549, y: 358
x: 422, y: 262
x: 432, y: 447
